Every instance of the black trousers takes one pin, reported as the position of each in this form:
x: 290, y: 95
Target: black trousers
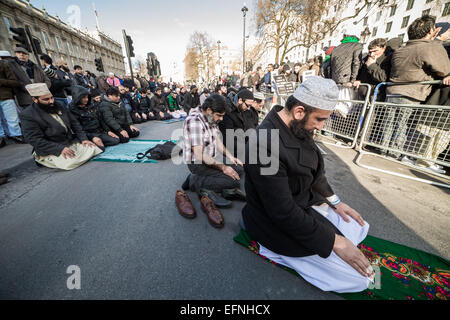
x: 212, y: 179
x: 106, y: 139
x: 166, y: 116
x: 135, y: 119
x: 131, y: 134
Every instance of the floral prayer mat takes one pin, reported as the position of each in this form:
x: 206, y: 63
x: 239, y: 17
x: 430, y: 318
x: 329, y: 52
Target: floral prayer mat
x: 404, y: 273
x: 127, y: 152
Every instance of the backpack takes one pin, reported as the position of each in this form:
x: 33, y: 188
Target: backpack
x: 159, y: 152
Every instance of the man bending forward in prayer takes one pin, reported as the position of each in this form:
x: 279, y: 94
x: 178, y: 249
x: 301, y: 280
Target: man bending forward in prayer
x: 56, y: 136
x: 294, y: 214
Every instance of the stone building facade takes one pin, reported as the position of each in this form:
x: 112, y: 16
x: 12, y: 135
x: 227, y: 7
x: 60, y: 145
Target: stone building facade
x: 58, y: 39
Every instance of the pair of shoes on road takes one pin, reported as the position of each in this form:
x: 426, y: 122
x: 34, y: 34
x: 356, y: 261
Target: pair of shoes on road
x: 223, y: 201
x: 3, y: 177
x: 187, y: 210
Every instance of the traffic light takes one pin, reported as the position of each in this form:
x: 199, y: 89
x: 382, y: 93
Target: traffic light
x: 99, y: 64
x: 158, y: 69
x: 37, y: 46
x: 130, y: 47
x: 20, y: 36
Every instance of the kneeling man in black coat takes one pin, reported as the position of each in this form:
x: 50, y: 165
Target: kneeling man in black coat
x: 292, y: 211
x: 56, y: 136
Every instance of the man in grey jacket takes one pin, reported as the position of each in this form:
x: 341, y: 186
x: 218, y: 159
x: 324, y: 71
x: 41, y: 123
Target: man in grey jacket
x: 423, y: 58
x: 26, y: 72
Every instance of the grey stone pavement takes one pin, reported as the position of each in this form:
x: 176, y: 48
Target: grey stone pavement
x: 118, y: 222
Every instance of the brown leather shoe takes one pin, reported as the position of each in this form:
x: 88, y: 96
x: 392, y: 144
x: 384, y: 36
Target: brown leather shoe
x: 184, y: 205
x: 215, y: 218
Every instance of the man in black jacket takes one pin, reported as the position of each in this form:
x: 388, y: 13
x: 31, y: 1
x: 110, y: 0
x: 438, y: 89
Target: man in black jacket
x: 291, y: 210
x: 235, y: 119
x: 158, y: 106
x: 87, y: 114
x: 56, y: 136
x: 58, y: 86
x: 116, y: 117
x: 142, y: 105
x: 79, y: 79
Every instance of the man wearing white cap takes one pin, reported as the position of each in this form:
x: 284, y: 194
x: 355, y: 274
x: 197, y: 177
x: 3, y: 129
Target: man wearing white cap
x: 294, y: 214
x: 56, y: 136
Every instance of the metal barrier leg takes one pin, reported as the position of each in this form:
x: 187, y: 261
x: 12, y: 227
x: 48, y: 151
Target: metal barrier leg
x: 362, y: 153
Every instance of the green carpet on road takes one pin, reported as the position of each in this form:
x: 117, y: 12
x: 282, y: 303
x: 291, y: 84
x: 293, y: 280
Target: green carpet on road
x: 405, y: 273
x: 126, y: 152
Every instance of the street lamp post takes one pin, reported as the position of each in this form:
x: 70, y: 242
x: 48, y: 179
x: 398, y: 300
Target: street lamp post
x: 365, y: 35
x: 244, y: 12
x: 220, y: 64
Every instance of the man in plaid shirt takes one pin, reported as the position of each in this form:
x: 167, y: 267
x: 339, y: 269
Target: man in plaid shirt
x: 202, y: 140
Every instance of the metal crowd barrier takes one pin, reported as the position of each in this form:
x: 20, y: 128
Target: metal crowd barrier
x: 421, y: 132
x: 348, y: 127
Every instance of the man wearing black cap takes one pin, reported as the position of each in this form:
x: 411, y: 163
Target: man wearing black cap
x: 235, y: 119
x: 26, y: 72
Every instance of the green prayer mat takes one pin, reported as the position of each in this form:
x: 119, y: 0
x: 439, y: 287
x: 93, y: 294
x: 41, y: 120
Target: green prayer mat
x: 126, y: 152
x: 405, y: 273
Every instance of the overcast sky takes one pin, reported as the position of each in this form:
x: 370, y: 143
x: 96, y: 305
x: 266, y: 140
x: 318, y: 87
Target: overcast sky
x: 162, y: 27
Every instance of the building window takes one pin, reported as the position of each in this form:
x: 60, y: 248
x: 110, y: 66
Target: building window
x: 428, y: 1
x: 44, y: 37
x: 374, y: 32
x: 393, y: 9
x: 365, y: 21
x: 405, y: 22
x: 8, y: 24
x: 388, y: 27
x: 69, y: 49
x: 446, y: 11
x: 410, y: 5
x: 425, y: 12
x: 402, y: 36
x: 378, y: 15
x: 58, y: 43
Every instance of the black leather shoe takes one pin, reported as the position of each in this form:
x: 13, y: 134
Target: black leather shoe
x: 234, y: 194
x: 2, y: 142
x: 218, y: 200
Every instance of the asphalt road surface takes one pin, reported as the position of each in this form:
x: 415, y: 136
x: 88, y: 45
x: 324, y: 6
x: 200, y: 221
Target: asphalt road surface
x: 119, y: 224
